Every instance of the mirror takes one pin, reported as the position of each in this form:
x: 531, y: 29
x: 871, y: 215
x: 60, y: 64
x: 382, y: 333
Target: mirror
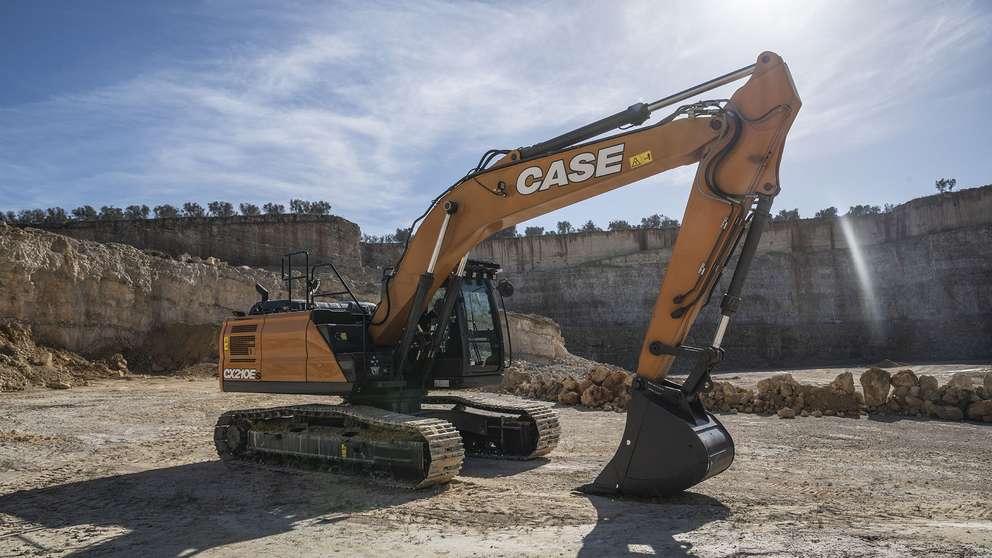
x: 505, y: 288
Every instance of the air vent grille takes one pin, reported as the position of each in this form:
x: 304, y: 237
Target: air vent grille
x: 245, y: 328
x: 243, y: 346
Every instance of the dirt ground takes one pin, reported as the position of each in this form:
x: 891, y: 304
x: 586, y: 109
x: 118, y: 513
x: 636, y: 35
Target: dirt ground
x: 127, y: 468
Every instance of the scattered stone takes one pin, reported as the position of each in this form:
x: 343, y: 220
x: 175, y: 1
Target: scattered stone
x: 786, y: 413
x: 988, y: 385
x: 817, y: 413
x: 58, y: 384
x: 805, y: 413
x: 568, y: 398
x: 875, y: 382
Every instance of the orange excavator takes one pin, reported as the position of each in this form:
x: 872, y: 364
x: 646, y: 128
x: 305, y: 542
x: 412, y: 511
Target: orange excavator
x: 440, y: 323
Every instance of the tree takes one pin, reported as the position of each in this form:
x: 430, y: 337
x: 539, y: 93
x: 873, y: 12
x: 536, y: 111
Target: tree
x: 193, y: 209
x: 508, y: 232
x: 55, y: 216
x: 946, y: 184
x: 84, y: 213
x: 401, y: 235
x: 589, y: 226
x: 828, y: 213
x: 9, y: 217
x: 319, y: 207
x: 220, y: 209
x: 31, y: 216
x: 564, y: 227
x: 533, y: 231
x: 111, y: 213
x: 273, y: 208
x: 166, y: 211
x: 136, y: 212
x: 862, y: 210
x: 787, y: 215
x: 658, y: 221
x: 888, y: 208
x: 299, y: 206
x: 248, y: 209
x: 619, y: 225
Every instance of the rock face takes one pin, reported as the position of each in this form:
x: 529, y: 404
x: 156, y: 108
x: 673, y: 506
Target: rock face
x: 536, y: 338
x: 876, y: 384
x: 100, y: 299
x: 809, y: 309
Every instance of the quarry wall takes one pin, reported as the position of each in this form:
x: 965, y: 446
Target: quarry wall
x: 916, y: 286
x: 922, y: 290
x: 98, y: 299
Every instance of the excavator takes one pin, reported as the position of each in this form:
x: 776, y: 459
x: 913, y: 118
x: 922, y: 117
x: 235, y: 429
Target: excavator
x: 440, y: 321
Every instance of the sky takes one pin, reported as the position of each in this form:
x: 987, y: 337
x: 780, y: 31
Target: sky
x: 377, y: 107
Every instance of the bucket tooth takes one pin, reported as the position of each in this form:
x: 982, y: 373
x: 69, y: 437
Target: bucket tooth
x: 669, y: 444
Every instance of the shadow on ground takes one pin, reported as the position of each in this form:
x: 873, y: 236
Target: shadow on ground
x: 188, y: 509
x: 482, y: 468
x: 638, y: 527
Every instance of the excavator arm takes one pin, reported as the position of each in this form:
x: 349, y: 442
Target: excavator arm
x: 738, y: 144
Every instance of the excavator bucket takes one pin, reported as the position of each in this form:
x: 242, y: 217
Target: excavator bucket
x: 670, y: 443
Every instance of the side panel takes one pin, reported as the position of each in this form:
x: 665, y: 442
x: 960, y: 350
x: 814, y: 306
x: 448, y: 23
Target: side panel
x: 240, y: 354
x: 284, y: 347
x: 322, y: 366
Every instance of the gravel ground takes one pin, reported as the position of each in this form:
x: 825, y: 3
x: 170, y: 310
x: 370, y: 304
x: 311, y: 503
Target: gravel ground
x: 126, y: 468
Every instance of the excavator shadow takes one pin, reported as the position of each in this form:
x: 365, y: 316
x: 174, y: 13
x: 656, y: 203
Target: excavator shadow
x: 485, y: 468
x: 638, y: 527
x: 185, y: 510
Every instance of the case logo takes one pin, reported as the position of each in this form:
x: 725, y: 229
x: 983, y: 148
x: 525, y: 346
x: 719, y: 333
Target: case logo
x: 581, y: 167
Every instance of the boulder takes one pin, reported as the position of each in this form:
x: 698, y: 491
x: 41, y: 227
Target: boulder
x: 844, y: 382
x: 961, y: 380
x: 615, y: 380
x: 569, y: 384
x: 875, y: 382
x: 948, y: 412
x: 595, y: 396
x: 904, y: 378
x: 988, y: 385
x: 568, y: 397
x: 929, y: 388
x: 598, y: 374
x: 786, y: 413
x: 979, y: 410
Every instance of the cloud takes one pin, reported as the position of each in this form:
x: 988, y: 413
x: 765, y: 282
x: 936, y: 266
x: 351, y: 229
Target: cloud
x: 377, y: 107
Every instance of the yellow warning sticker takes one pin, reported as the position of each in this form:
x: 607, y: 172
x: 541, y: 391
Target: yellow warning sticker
x: 640, y: 159
x: 227, y: 344
x: 344, y: 451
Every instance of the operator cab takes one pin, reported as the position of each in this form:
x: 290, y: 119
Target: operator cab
x: 474, y: 351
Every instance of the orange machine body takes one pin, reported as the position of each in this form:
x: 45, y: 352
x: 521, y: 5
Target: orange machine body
x: 287, y: 352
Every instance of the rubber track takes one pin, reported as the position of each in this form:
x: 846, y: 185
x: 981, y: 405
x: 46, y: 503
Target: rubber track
x: 542, y: 414
x: 443, y: 440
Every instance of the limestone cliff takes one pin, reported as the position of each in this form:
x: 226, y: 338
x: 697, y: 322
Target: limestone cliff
x: 97, y: 299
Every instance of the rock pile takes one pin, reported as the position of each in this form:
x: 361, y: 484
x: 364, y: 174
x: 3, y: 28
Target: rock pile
x: 781, y: 392
x: 24, y: 363
x: 585, y: 382
x: 581, y: 382
x: 961, y: 397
